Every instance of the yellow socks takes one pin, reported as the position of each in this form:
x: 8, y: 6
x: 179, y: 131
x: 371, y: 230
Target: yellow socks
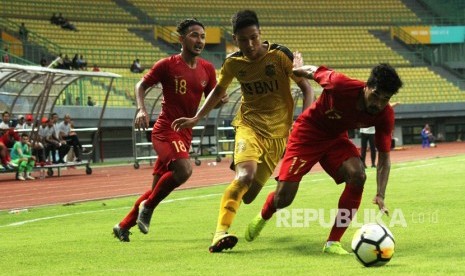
x: 230, y: 202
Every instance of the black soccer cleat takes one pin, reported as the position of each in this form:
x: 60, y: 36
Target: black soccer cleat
x: 121, y: 234
x: 144, y: 217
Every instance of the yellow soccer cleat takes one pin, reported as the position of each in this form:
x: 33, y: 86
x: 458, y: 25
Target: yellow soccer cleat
x: 222, y: 241
x: 254, y: 228
x: 335, y: 248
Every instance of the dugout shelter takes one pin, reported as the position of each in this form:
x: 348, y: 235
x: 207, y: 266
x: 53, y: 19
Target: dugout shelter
x: 36, y: 90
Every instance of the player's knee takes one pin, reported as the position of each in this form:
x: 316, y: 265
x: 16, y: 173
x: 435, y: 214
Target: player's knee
x: 357, y: 177
x: 246, y: 179
x: 182, y: 175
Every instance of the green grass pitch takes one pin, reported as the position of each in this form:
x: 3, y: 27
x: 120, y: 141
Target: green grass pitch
x: 425, y: 199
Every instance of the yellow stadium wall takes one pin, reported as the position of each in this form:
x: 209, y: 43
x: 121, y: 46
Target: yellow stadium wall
x: 16, y: 47
x: 170, y: 35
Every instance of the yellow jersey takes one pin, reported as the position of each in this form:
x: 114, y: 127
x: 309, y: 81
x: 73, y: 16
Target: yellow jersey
x: 267, y: 105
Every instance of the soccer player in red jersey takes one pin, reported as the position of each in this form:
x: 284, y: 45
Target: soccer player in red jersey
x: 320, y: 135
x: 185, y: 78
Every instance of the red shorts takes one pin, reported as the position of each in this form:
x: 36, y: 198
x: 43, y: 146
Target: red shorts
x: 169, y: 147
x: 305, y: 148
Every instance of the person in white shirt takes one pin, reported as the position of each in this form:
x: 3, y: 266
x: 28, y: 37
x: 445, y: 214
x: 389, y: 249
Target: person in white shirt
x: 367, y: 136
x: 71, y: 138
x: 20, y: 123
x: 52, y: 142
x: 5, y: 123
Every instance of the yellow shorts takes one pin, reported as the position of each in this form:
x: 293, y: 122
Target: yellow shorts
x: 250, y: 146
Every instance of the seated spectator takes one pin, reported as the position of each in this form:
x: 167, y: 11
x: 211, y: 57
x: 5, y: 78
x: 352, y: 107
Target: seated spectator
x: 5, y: 123
x: 29, y: 123
x: 54, y: 19
x: 90, y: 102
x: 5, y: 56
x: 136, y: 67
x: 75, y: 63
x: 67, y: 63
x: 21, y: 156
x: 38, y: 149
x: 82, y: 63
x: 68, y: 26
x: 60, y: 19
x: 20, y: 122
x: 78, y: 101
x: 71, y: 138
x: 95, y: 68
x: 7, y: 140
x: 43, y: 62
x: 51, y: 141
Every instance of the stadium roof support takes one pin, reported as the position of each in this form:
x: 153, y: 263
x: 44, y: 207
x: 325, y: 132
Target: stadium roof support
x: 36, y: 90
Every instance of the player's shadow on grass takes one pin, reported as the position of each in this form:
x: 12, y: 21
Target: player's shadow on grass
x: 297, y: 246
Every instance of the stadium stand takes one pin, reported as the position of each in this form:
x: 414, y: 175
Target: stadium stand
x: 341, y: 34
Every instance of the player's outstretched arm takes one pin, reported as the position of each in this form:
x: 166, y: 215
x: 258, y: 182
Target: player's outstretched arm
x: 304, y: 84
x: 212, y: 100
x: 382, y: 175
x: 305, y: 71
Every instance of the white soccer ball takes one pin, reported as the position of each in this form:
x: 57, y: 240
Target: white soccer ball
x: 373, y: 245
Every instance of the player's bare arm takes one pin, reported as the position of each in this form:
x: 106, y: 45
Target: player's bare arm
x: 305, y: 71
x: 223, y: 101
x: 307, y: 92
x: 213, y: 99
x: 142, y: 118
x: 304, y: 85
x: 383, y: 169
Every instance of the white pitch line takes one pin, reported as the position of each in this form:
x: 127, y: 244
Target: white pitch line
x: 173, y: 200
x: 97, y: 211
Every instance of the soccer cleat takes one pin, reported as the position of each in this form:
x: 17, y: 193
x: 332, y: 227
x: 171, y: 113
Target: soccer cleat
x: 222, y: 242
x: 144, y: 217
x: 254, y: 228
x: 335, y: 248
x: 30, y: 177
x: 121, y: 234
x: 20, y: 177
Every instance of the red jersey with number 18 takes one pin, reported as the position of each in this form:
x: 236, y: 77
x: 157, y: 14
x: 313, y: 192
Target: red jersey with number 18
x: 182, y: 88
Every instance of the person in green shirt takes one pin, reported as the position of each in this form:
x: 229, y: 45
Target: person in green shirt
x: 22, y: 157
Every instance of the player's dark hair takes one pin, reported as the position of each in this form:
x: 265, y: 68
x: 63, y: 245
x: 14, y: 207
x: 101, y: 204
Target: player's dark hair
x: 24, y: 134
x: 384, y: 78
x: 186, y: 23
x: 244, y: 18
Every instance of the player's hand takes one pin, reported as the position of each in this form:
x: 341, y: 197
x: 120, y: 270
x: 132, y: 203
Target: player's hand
x: 224, y: 99
x: 184, y: 122
x: 378, y: 200
x: 298, y: 60
x: 142, y: 120
x: 305, y: 71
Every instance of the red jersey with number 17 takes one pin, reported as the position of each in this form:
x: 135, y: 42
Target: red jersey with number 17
x: 335, y: 112
x: 182, y: 88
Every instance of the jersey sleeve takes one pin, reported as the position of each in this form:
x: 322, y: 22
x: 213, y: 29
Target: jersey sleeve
x: 226, y: 76
x: 155, y: 74
x: 334, y: 81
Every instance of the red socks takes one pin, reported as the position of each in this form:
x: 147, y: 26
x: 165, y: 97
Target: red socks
x: 269, y: 208
x: 131, y: 218
x: 164, y: 187
x: 348, y: 206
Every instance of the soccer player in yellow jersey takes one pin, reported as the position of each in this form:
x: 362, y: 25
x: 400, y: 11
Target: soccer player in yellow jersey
x: 263, y: 120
